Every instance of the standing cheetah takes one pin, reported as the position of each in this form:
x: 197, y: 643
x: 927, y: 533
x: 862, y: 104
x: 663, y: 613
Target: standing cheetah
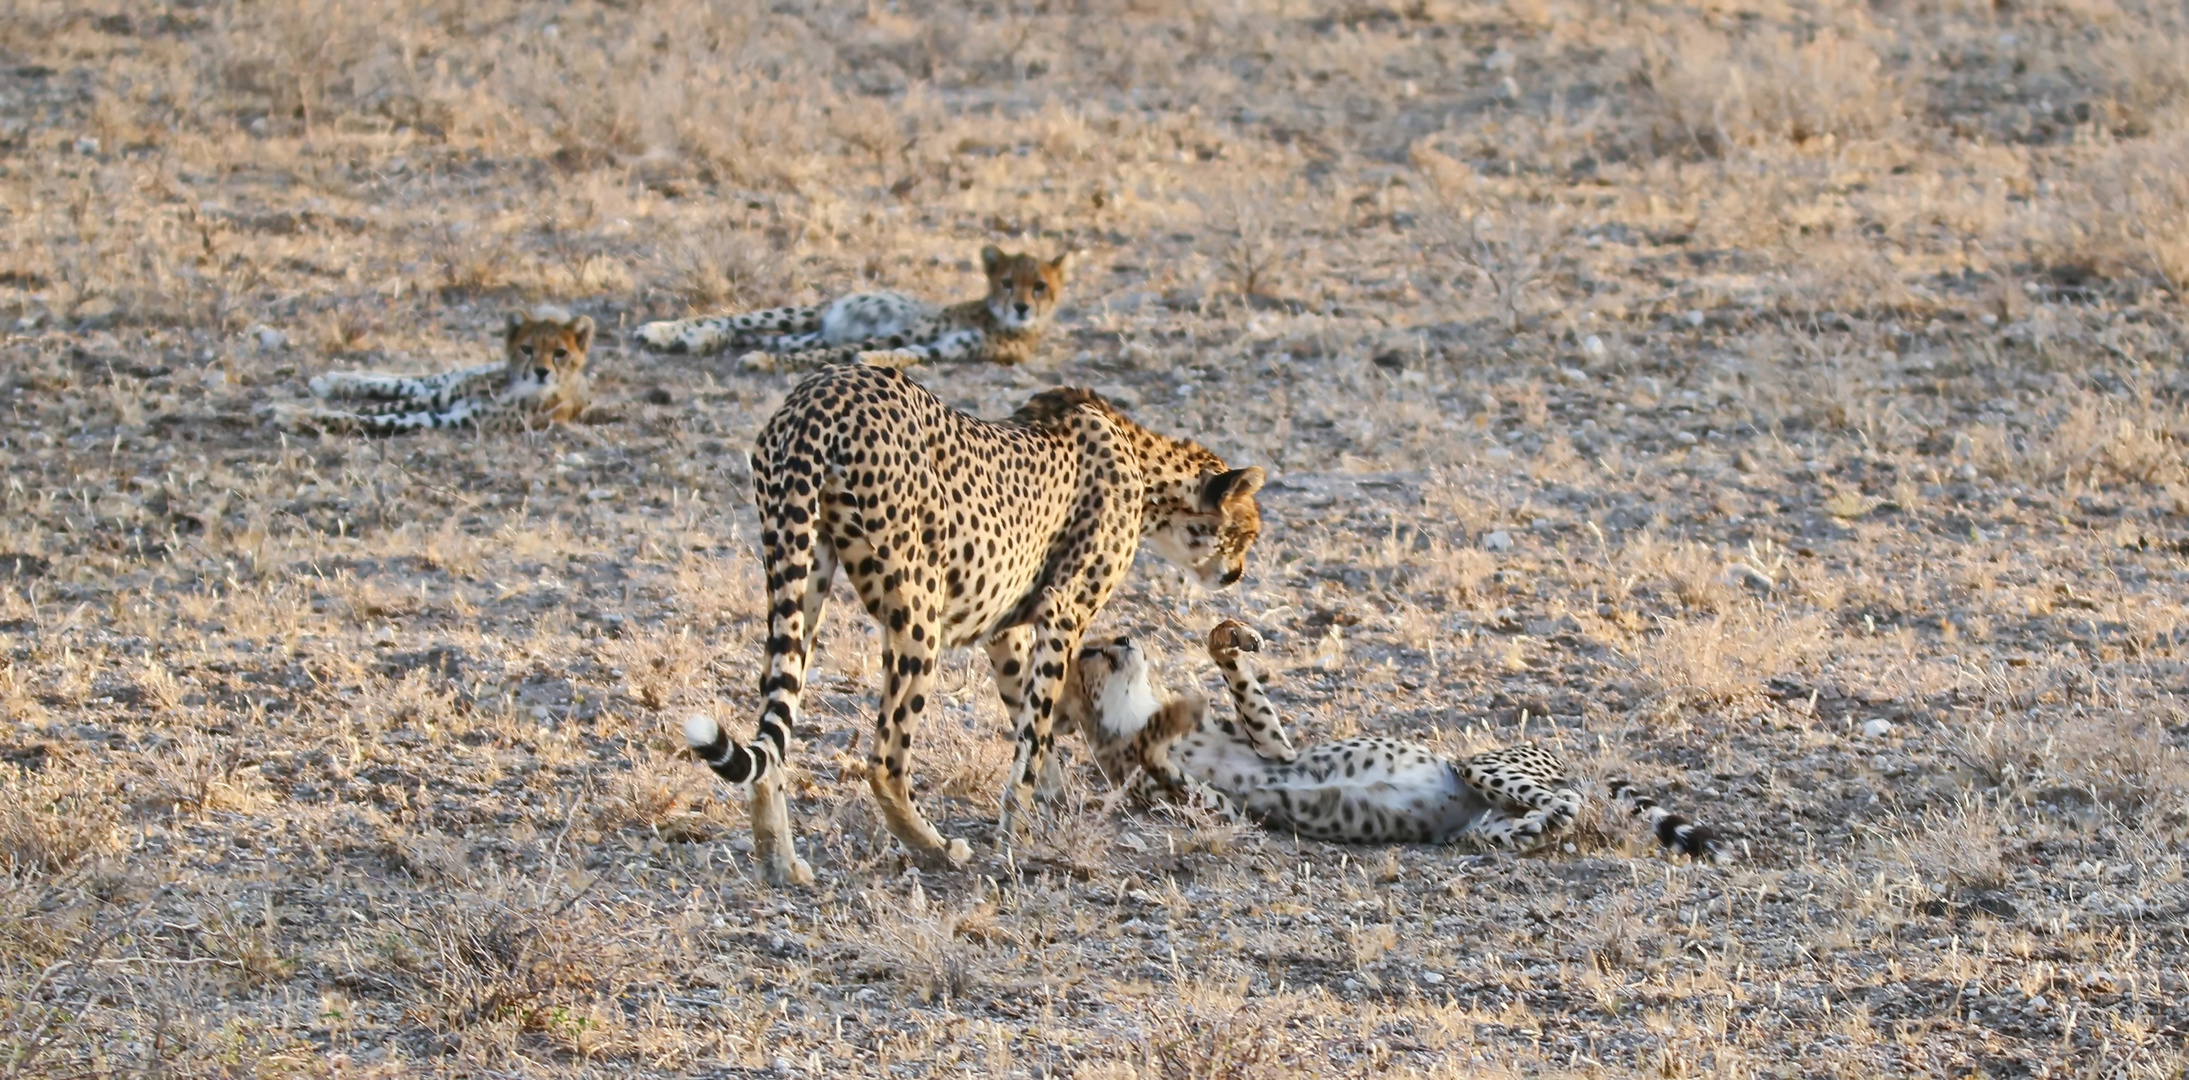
x: 541, y: 378
x: 958, y: 531
x: 886, y: 329
x: 1362, y: 790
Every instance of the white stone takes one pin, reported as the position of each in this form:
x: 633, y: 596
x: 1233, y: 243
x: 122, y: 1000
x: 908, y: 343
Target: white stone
x: 1876, y: 727
x: 1594, y: 347
x: 270, y: 338
x: 1498, y: 541
x: 1694, y: 317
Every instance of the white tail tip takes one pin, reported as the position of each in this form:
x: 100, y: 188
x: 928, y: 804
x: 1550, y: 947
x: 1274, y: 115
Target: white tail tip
x: 701, y: 731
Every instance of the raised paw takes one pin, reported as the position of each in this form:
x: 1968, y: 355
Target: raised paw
x: 1232, y: 637
x: 756, y: 360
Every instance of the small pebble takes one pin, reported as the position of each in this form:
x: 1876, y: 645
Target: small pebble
x: 1876, y: 727
x: 1594, y: 347
x: 1498, y: 541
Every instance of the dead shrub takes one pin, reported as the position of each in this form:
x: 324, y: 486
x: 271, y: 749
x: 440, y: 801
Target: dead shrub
x: 56, y: 816
x: 1247, y: 232
x: 533, y: 959
x: 1959, y: 849
x: 1204, y: 1041
x: 718, y: 269
x: 935, y: 952
x: 1723, y: 90
x: 2097, y: 440
x: 1726, y: 658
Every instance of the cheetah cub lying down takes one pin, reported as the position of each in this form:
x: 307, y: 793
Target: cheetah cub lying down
x: 541, y: 378
x: 1361, y: 790
x: 885, y: 329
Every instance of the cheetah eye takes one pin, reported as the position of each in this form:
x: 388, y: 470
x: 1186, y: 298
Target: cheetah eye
x: 525, y: 349
x: 561, y: 353
x: 1040, y: 288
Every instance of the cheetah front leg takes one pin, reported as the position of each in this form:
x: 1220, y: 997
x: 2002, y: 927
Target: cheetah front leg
x: 956, y: 345
x: 1009, y: 652
x: 427, y: 390
x: 1054, y: 640
x: 1265, y: 730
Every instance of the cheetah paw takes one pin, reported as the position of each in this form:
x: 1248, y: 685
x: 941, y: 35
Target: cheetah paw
x: 889, y: 358
x: 295, y: 419
x: 756, y: 360
x: 662, y: 337
x: 798, y: 872
x: 1232, y: 637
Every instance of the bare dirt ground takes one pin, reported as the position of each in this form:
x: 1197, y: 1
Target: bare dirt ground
x: 1780, y: 404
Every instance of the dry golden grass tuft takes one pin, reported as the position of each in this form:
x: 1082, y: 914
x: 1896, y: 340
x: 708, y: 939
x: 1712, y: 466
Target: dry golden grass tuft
x: 1780, y: 406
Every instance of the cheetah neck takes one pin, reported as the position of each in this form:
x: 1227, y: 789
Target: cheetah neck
x: 1171, y: 470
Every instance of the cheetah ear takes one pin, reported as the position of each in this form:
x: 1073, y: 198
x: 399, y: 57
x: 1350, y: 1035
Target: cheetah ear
x: 991, y: 260
x: 513, y: 322
x: 582, y: 326
x: 1058, y: 264
x: 1225, y: 487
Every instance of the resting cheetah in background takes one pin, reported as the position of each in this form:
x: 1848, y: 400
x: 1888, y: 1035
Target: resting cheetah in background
x: 958, y: 531
x: 1361, y: 790
x: 541, y: 379
x: 885, y: 329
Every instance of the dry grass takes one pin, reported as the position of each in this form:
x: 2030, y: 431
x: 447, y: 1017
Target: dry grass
x: 1689, y: 387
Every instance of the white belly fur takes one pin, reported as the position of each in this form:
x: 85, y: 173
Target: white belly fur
x: 863, y: 316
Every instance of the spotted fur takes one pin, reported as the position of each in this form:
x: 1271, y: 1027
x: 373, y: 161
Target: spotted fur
x: 885, y: 329
x: 540, y: 379
x: 957, y: 531
x: 1360, y: 790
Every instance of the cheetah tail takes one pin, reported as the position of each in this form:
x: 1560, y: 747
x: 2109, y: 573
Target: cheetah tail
x: 713, y: 746
x: 1672, y: 829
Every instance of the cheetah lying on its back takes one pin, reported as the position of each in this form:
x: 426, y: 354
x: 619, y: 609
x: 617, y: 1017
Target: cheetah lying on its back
x: 1361, y: 790
x: 541, y: 378
x: 885, y: 329
x: 958, y: 531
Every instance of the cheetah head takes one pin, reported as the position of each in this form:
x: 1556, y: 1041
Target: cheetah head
x: 1110, y: 684
x: 1209, y: 537
x: 546, y: 351
x: 1022, y: 289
